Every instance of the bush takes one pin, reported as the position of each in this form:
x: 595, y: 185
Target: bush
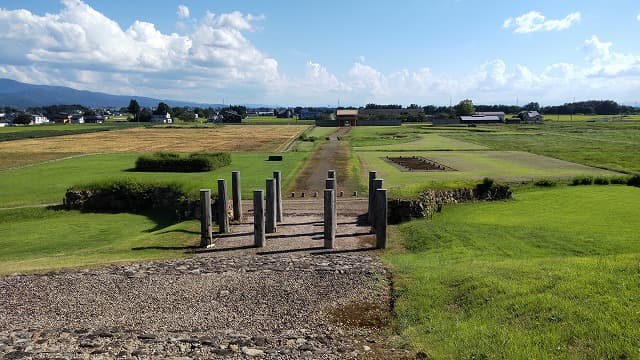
x: 601, y: 180
x: 125, y: 196
x: 634, y: 181
x: 170, y: 162
x: 619, y: 180
x: 545, y: 183
x: 582, y: 180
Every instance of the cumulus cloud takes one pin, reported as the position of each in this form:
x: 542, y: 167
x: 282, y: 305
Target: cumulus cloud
x: 534, y: 21
x: 183, y: 12
x: 80, y: 45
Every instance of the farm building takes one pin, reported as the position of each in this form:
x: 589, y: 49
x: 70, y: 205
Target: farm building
x: 530, y: 116
x: 94, y: 119
x: 477, y: 119
x: 161, y: 118
x: 390, y: 116
x: 77, y: 119
x: 284, y: 114
x: 444, y: 120
x: 38, y: 119
x: 60, y: 118
x: 226, y: 116
x: 308, y: 115
x: 499, y: 114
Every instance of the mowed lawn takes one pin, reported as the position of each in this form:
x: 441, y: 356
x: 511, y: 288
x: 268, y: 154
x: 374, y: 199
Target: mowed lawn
x: 552, y: 274
x: 470, y: 166
x: 47, y: 183
x: 610, y: 145
x: 39, y: 239
x: 425, y: 142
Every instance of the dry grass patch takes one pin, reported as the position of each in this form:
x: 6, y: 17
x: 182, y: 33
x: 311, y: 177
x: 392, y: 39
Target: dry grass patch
x: 10, y: 160
x: 263, y: 138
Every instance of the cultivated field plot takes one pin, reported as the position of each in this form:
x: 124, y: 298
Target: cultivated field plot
x: 425, y: 142
x: 227, y: 138
x: 475, y: 165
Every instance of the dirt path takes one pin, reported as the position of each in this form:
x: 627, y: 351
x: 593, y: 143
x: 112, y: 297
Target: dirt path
x: 333, y: 154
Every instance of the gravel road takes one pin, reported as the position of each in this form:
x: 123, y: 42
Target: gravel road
x: 288, y: 300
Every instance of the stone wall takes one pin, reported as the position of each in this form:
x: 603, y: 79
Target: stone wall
x: 431, y: 201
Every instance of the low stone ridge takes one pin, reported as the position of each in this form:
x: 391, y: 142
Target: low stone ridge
x: 272, y: 307
x: 431, y: 201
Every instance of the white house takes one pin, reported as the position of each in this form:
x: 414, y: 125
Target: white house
x: 38, y: 119
x: 161, y: 119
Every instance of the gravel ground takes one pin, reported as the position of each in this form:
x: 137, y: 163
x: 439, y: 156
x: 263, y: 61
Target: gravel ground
x: 288, y: 300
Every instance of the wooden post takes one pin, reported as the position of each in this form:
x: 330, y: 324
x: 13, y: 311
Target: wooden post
x: 372, y: 176
x: 329, y: 219
x: 223, y: 216
x: 259, y: 239
x: 277, y: 175
x: 381, y: 218
x: 377, y: 184
x: 332, y: 185
x: 237, y: 199
x: 270, y: 207
x: 206, y: 237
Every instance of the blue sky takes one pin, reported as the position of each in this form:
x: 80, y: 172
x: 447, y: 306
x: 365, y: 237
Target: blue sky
x: 322, y: 53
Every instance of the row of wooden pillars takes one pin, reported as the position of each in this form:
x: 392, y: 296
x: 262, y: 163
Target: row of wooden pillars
x: 268, y: 213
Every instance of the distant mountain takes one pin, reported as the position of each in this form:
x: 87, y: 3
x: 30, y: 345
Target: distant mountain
x: 21, y: 95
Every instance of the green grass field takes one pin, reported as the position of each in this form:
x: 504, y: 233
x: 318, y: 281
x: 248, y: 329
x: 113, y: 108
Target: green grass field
x: 470, y: 167
x: 38, y: 239
x: 47, y: 183
x: 317, y: 134
x: 582, y: 117
x: 613, y: 145
x: 553, y: 274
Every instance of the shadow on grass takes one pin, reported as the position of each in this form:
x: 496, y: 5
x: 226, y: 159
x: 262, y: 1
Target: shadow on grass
x: 191, y: 248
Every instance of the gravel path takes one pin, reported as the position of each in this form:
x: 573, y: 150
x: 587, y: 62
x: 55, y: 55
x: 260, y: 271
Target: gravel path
x: 288, y: 300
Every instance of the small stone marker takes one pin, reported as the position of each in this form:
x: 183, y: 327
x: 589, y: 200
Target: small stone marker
x: 270, y: 207
x: 372, y: 176
x: 223, y: 215
x: 259, y: 239
x: 381, y: 218
x: 236, y: 191
x: 329, y: 219
x: 206, y: 237
x: 277, y: 175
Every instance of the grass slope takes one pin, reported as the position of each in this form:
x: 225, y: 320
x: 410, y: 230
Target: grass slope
x: 47, y: 183
x: 38, y: 239
x: 553, y: 274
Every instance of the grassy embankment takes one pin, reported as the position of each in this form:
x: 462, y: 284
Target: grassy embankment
x: 553, y: 274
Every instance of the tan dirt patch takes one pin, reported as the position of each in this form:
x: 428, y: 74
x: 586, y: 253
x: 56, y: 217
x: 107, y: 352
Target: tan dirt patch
x: 227, y: 138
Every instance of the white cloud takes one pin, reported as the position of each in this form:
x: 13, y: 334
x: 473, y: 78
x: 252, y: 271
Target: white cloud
x: 183, y: 12
x: 79, y: 44
x: 638, y: 17
x: 534, y: 21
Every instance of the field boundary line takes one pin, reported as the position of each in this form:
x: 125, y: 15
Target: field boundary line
x: 50, y: 161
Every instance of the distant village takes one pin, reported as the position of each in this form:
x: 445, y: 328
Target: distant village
x: 464, y: 113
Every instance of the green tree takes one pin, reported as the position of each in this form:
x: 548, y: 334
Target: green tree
x: 464, y: 108
x: 22, y: 118
x: 134, y: 108
x: 162, y: 109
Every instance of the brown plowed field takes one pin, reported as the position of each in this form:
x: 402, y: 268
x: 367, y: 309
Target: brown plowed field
x: 266, y: 138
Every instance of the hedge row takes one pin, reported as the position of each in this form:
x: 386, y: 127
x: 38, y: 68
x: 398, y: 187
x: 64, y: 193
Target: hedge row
x: 171, y: 162
x: 125, y: 196
x: 604, y: 180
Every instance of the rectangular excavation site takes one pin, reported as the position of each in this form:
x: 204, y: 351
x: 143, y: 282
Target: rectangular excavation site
x: 416, y: 163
